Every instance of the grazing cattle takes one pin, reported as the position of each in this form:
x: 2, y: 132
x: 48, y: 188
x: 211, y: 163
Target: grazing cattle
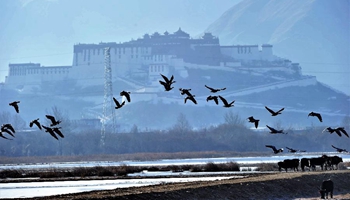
x: 332, y: 160
x: 305, y: 162
x: 326, y: 187
x: 317, y: 161
x: 288, y: 163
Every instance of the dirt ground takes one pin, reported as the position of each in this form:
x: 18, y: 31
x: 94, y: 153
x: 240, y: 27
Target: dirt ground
x: 291, y: 185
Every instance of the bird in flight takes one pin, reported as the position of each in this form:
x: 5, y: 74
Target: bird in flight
x: 7, y: 128
x: 338, y: 130
x: 36, y: 122
x: 214, y: 90
x: 215, y: 98
x: 273, y: 113
x: 276, y: 151
x: 275, y: 131
x: 294, y: 150
x: 15, y: 105
x: 339, y: 149
x: 50, y: 130
x: 313, y: 114
x: 54, y: 122
x: 255, y: 121
x: 118, y: 105
x: 226, y: 104
x: 167, y: 82
x: 126, y: 95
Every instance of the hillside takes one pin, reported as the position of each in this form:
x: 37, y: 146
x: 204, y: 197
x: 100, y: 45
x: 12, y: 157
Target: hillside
x: 312, y: 33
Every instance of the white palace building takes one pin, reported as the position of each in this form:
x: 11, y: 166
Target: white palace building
x: 145, y: 57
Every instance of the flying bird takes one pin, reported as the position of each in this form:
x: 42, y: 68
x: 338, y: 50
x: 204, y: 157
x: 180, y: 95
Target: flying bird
x: 167, y: 83
x: 36, y: 122
x: 226, y: 104
x: 185, y: 91
x: 215, y: 98
x: 340, y: 150
x: 276, y: 151
x: 338, y: 130
x: 8, y: 126
x: 126, y: 95
x: 273, y: 113
x: 50, y: 130
x: 274, y: 131
x: 15, y: 105
x: 118, y: 105
x: 313, y: 114
x: 214, y: 90
x: 294, y: 150
x: 191, y: 98
x: 54, y: 122
x: 255, y: 121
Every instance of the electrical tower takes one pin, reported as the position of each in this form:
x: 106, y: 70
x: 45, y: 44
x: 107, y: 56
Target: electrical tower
x: 108, y: 104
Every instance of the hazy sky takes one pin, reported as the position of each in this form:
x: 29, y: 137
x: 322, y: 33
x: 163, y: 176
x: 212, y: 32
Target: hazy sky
x: 44, y: 31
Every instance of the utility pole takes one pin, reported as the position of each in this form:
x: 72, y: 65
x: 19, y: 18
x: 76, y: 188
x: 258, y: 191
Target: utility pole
x: 108, y: 103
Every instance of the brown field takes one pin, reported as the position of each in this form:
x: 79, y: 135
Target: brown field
x: 279, y: 185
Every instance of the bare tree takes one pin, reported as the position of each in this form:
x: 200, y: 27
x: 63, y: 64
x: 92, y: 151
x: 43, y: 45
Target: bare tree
x: 182, y: 124
x: 233, y: 119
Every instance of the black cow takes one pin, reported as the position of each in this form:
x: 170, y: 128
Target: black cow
x: 317, y: 161
x: 305, y: 162
x: 332, y: 160
x: 326, y: 187
x: 293, y: 164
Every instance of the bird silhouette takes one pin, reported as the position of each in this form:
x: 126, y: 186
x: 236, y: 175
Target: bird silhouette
x: 274, y: 131
x: 185, y: 91
x: 126, y: 95
x: 15, y: 105
x: 54, y: 122
x: 313, y: 114
x: 167, y: 83
x: 340, y: 150
x: 50, y: 130
x: 214, y: 90
x: 255, y: 121
x: 215, y: 98
x: 273, y: 113
x: 191, y: 97
x: 226, y: 104
x: 276, y: 151
x: 338, y: 130
x: 118, y: 105
x: 294, y: 150
x: 8, y: 126
x: 36, y: 122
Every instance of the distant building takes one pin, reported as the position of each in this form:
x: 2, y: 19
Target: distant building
x: 145, y: 57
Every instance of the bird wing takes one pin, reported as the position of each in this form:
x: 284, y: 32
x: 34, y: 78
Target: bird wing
x: 9, y: 132
x: 1, y: 135
x: 37, y: 123
x: 52, y: 118
x: 193, y: 99
x: 216, y: 100
x: 338, y: 132
x: 271, y: 111
x: 31, y: 124
x: 223, y: 89
x: 271, y: 129
x: 8, y: 126
x: 343, y: 131
x: 116, y: 101
x: 318, y: 115
x: 16, y: 108
x: 165, y: 78
x: 256, y: 123
x: 52, y: 133
x: 223, y: 100
x: 280, y: 110
x: 210, y: 88
x: 335, y: 147
x: 171, y: 79
x: 272, y: 147
x: 57, y: 130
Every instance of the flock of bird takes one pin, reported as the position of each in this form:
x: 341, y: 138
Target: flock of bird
x: 167, y: 83
x: 52, y: 129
